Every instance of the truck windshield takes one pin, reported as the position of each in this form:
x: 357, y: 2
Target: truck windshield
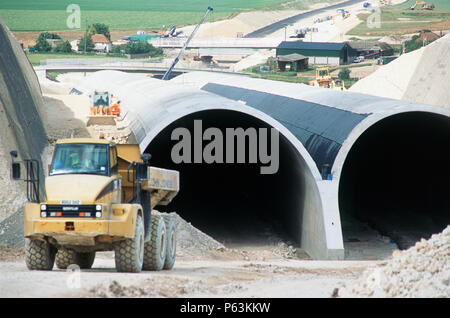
x: 80, y: 159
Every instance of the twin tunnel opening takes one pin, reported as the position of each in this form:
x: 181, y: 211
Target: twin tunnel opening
x: 394, y: 178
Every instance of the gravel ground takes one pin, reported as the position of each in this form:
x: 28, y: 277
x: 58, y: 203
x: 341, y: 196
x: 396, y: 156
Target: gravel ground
x: 12, y: 230
x: 422, y: 271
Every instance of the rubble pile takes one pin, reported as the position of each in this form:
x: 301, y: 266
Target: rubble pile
x: 422, y: 271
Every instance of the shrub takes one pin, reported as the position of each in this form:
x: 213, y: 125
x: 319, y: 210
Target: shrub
x: 100, y: 28
x: 41, y: 43
x: 137, y: 48
x: 64, y: 47
x: 89, y: 44
x: 344, y: 74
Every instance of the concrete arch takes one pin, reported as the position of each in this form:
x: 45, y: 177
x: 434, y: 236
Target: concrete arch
x: 336, y: 123
x: 320, y: 131
x: 153, y: 108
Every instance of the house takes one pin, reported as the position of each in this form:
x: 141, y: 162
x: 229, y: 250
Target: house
x: 371, y: 49
x: 54, y: 42
x: 74, y: 45
x: 296, y: 61
x: 101, y: 43
x: 427, y: 36
x: 332, y: 53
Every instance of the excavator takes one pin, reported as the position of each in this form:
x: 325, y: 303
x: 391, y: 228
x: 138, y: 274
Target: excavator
x: 99, y: 196
x: 425, y: 6
x: 324, y: 79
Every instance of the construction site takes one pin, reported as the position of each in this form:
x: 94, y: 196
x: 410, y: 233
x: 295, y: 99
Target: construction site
x: 203, y: 177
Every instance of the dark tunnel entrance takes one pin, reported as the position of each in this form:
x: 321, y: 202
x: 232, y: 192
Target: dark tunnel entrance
x: 396, y: 177
x: 233, y: 202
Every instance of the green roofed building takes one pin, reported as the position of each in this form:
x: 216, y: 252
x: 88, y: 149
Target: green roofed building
x: 142, y: 37
x: 328, y: 53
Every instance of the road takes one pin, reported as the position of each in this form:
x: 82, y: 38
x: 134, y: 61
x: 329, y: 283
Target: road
x: 271, y: 28
x: 241, y: 277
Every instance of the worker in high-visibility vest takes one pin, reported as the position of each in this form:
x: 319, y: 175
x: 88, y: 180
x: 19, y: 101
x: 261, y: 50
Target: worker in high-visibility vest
x: 115, y: 108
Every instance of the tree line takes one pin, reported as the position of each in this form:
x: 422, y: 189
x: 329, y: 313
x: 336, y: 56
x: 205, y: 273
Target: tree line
x: 87, y: 45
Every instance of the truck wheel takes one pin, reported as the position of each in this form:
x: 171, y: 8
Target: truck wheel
x: 39, y: 255
x: 85, y: 260
x: 155, y: 249
x: 64, y: 258
x: 129, y: 253
x: 171, y: 246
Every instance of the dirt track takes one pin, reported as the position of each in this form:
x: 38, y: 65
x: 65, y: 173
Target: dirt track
x: 225, y: 273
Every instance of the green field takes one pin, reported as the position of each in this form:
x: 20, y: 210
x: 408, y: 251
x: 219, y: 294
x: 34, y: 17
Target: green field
x: 399, y: 19
x: 439, y: 4
x: 51, y: 15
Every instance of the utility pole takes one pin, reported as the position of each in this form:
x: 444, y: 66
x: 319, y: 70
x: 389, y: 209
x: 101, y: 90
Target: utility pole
x: 85, y: 37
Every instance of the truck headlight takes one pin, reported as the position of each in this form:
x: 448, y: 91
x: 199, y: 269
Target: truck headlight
x: 98, y: 214
x: 43, y: 207
x: 98, y: 207
x: 43, y: 214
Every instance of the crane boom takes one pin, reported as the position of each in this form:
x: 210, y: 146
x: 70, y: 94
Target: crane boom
x: 166, y: 76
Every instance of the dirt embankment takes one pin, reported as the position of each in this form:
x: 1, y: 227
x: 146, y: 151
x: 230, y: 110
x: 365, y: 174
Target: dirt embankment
x: 21, y: 127
x: 420, y: 76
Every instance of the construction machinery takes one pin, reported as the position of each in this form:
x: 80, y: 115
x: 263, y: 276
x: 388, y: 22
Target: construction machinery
x: 177, y: 58
x: 100, y: 196
x: 344, y: 13
x: 425, y: 6
x: 324, y: 79
x: 103, y: 110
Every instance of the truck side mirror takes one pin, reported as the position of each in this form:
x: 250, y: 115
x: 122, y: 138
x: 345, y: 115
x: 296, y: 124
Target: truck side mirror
x: 146, y: 158
x: 16, y: 170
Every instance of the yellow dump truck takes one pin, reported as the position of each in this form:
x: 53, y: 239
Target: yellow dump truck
x: 100, y: 196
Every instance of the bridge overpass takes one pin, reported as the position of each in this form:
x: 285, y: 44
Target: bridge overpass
x: 146, y: 68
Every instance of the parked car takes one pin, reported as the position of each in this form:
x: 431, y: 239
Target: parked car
x: 358, y: 59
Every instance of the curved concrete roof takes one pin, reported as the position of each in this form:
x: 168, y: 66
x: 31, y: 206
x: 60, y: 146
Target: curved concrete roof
x: 149, y: 105
x: 327, y: 122
x: 321, y: 124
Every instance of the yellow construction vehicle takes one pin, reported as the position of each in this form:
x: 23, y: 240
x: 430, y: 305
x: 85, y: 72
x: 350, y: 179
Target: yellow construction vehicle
x: 425, y: 6
x: 100, y: 196
x: 324, y: 79
x: 101, y: 110
x: 338, y: 85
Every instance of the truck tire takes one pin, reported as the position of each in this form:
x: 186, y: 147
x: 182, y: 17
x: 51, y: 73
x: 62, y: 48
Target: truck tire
x: 171, y: 245
x: 155, y: 249
x: 64, y: 258
x: 39, y: 255
x: 129, y: 253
